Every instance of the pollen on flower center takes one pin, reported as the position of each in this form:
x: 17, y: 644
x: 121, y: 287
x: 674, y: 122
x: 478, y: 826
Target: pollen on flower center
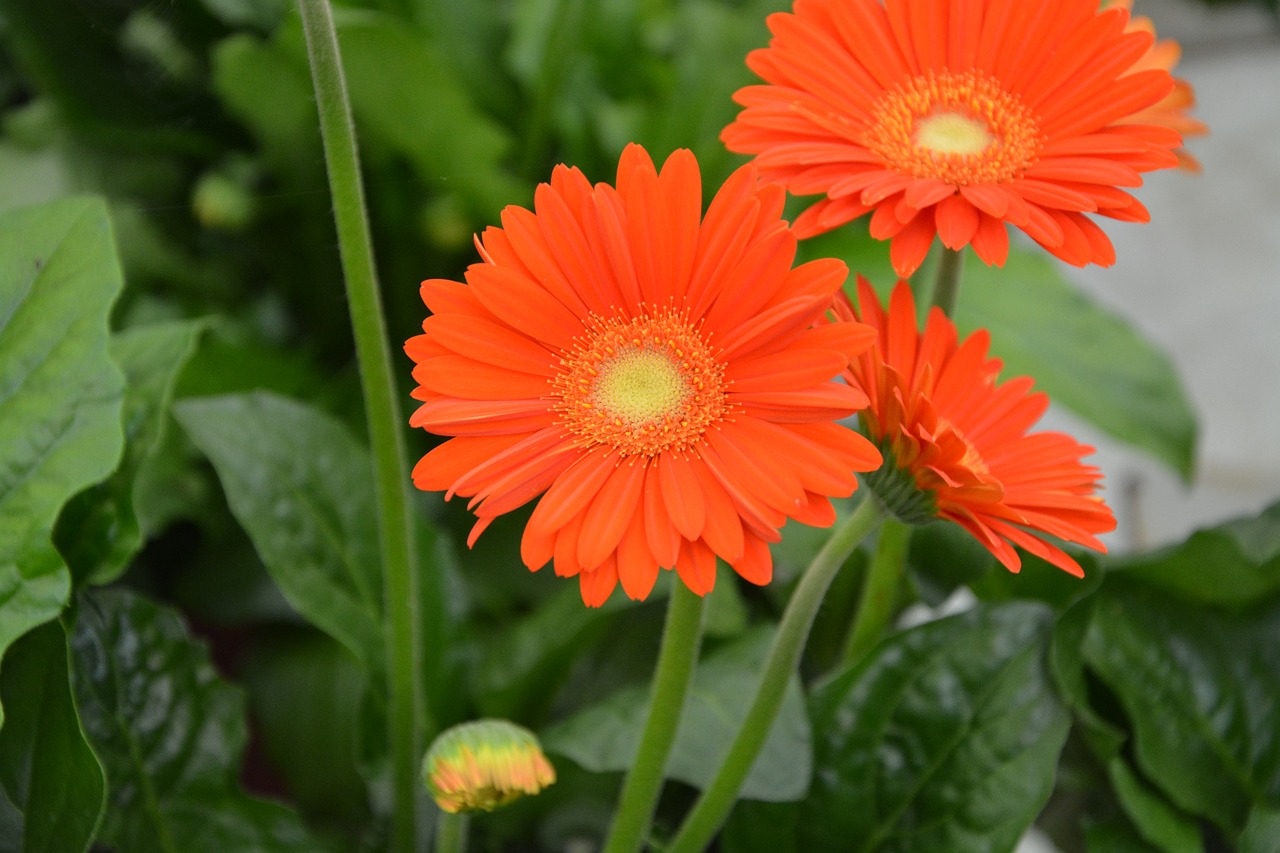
x: 948, y: 132
x: 959, y: 128
x: 641, y: 385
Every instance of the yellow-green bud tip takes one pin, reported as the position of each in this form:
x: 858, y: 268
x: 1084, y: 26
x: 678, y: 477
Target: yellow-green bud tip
x: 484, y: 765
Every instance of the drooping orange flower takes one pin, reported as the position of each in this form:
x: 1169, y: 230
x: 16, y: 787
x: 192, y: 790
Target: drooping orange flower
x: 655, y: 376
x: 956, y: 443
x: 955, y: 117
x: 1171, y: 110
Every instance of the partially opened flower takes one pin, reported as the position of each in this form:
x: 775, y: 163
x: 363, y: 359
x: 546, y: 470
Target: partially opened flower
x: 955, y: 117
x: 655, y: 376
x: 484, y: 765
x: 956, y: 442
x: 1171, y: 110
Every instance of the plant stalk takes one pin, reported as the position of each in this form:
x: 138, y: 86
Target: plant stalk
x: 406, y: 708
x: 713, y: 806
x: 946, y: 284
x: 879, y: 589
x: 681, y: 640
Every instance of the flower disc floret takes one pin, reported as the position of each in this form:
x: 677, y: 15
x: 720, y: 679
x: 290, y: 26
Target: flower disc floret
x: 642, y: 386
x: 962, y: 129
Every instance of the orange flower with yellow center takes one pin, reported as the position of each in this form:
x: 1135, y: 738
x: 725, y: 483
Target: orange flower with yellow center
x: 655, y: 376
x: 956, y: 442
x: 956, y: 117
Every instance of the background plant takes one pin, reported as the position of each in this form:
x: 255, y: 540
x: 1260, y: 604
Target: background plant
x: 191, y: 630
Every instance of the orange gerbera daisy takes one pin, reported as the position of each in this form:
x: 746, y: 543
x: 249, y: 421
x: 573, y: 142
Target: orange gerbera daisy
x: 655, y: 376
x: 955, y: 117
x: 956, y: 444
x: 1171, y: 110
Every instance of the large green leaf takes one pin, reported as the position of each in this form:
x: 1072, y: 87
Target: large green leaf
x: 302, y: 487
x: 100, y: 531
x: 305, y: 693
x: 59, y: 392
x: 1086, y: 358
x: 946, y: 737
x: 603, y: 737
x: 1236, y: 563
x: 1155, y: 818
x: 1199, y: 687
x: 53, y: 788
x: 169, y: 733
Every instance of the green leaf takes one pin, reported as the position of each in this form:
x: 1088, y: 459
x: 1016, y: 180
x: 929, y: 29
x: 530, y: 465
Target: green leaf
x: 603, y: 737
x: 521, y: 664
x: 1199, y: 688
x: 53, y: 787
x: 756, y: 827
x: 1234, y: 564
x: 59, y: 392
x: 437, y: 126
x: 1086, y: 358
x: 99, y: 532
x: 1262, y: 832
x: 302, y: 488
x: 271, y: 94
x: 1155, y: 818
x: 946, y: 737
x: 305, y: 692
x: 169, y: 733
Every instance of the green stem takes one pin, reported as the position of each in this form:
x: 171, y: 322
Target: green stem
x: 451, y: 833
x: 879, y: 590
x: 784, y: 655
x: 406, y: 708
x: 681, y: 639
x: 946, y: 284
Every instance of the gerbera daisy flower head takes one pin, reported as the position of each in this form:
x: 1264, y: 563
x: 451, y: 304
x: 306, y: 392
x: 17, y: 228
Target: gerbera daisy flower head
x: 956, y: 442
x: 1173, y: 109
x: 658, y: 378
x: 955, y: 117
x: 484, y: 765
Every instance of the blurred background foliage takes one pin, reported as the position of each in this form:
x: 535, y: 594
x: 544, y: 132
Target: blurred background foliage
x: 195, y: 121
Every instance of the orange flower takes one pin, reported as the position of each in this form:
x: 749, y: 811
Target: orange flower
x: 956, y: 444
x: 954, y: 117
x: 1171, y: 110
x: 655, y: 376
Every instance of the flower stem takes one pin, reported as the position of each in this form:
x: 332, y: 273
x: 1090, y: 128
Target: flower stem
x: 784, y: 655
x: 451, y: 833
x: 406, y: 708
x: 946, y: 284
x: 681, y: 639
x: 879, y: 589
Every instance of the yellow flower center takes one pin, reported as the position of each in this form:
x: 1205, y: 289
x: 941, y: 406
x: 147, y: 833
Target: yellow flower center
x: 643, y: 385
x: 959, y: 128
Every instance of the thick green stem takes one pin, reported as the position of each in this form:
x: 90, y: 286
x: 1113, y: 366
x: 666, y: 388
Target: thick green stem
x: 879, y: 590
x: 681, y: 639
x: 386, y: 435
x: 451, y: 833
x: 784, y: 655
x: 946, y: 284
